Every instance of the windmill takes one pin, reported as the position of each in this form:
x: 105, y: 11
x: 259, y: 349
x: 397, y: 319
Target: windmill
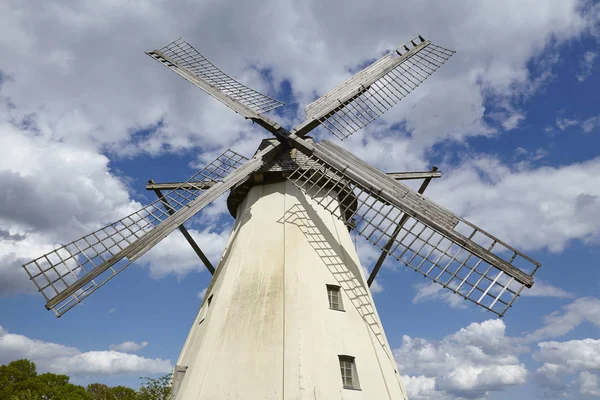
x: 288, y: 313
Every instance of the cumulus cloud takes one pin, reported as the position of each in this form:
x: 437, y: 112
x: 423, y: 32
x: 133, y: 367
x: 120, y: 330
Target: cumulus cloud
x: 589, y: 383
x: 569, y: 366
x: 71, y: 93
x: 57, y: 358
x: 422, y: 387
x: 481, y: 359
x: 127, y: 92
x: 128, y: 346
x: 174, y: 254
x: 71, y: 96
x: 469, y: 364
x: 488, y: 188
x: 53, y: 192
x: 65, y: 104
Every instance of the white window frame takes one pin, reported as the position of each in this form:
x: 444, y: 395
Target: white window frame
x: 348, y: 370
x: 331, y: 290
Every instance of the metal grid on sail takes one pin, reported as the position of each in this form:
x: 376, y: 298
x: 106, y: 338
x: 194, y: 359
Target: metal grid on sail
x: 373, y: 91
x: 58, y: 270
x: 189, y: 58
x: 414, y: 243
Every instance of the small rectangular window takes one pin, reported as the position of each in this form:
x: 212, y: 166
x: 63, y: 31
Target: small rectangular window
x: 348, y: 371
x: 335, y: 298
x: 209, y: 300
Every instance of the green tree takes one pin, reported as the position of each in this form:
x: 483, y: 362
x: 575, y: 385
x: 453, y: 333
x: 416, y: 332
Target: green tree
x: 155, y: 388
x: 100, y: 391
x: 24, y: 395
x: 19, y: 381
x: 123, y: 393
x: 14, y: 376
x: 69, y: 392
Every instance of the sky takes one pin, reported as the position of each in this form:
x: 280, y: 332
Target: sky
x: 512, y: 121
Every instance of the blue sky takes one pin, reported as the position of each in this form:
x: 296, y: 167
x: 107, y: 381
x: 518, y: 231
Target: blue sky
x: 512, y: 121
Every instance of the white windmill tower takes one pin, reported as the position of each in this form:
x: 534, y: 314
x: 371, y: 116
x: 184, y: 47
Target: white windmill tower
x: 288, y: 313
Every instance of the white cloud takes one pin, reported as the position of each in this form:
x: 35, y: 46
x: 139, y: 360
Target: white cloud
x: 585, y: 309
x: 469, y: 364
x: 202, y: 293
x: 513, y: 121
x: 128, y: 346
x: 590, y: 124
x: 174, y: 254
x: 70, y: 92
x: 421, y: 387
x: 569, y: 366
x: 564, y: 123
x: 481, y: 359
x: 127, y: 91
x: 490, y: 194
x: 527, y: 158
x: 573, y: 355
x: 543, y: 289
x: 587, y: 125
x: 589, y: 383
x: 108, y: 363
x: 57, y: 358
x: 434, y: 291
x: 587, y: 65
x: 376, y: 286
x: 53, y: 192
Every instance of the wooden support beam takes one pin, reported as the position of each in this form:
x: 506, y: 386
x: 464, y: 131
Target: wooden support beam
x: 399, y: 176
x: 390, y: 242
x: 184, y: 231
x: 179, y: 185
x: 402, y: 176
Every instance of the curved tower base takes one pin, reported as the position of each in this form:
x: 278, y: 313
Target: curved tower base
x: 270, y: 326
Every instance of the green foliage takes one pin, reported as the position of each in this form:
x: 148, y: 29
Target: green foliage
x: 26, y: 394
x: 19, y: 380
x: 100, y: 391
x: 155, y: 388
x: 123, y: 393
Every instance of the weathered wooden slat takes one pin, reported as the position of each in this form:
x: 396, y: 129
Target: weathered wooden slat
x: 146, y: 242
x: 230, y: 102
x: 388, y: 245
x: 359, y: 82
x: 186, y: 234
x: 413, y: 204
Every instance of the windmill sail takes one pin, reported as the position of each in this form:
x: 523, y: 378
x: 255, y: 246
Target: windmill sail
x: 377, y: 88
x: 432, y: 240
x: 69, y: 274
x: 186, y: 61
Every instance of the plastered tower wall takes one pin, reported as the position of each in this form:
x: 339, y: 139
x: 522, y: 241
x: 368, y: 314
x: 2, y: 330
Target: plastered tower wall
x: 265, y: 329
